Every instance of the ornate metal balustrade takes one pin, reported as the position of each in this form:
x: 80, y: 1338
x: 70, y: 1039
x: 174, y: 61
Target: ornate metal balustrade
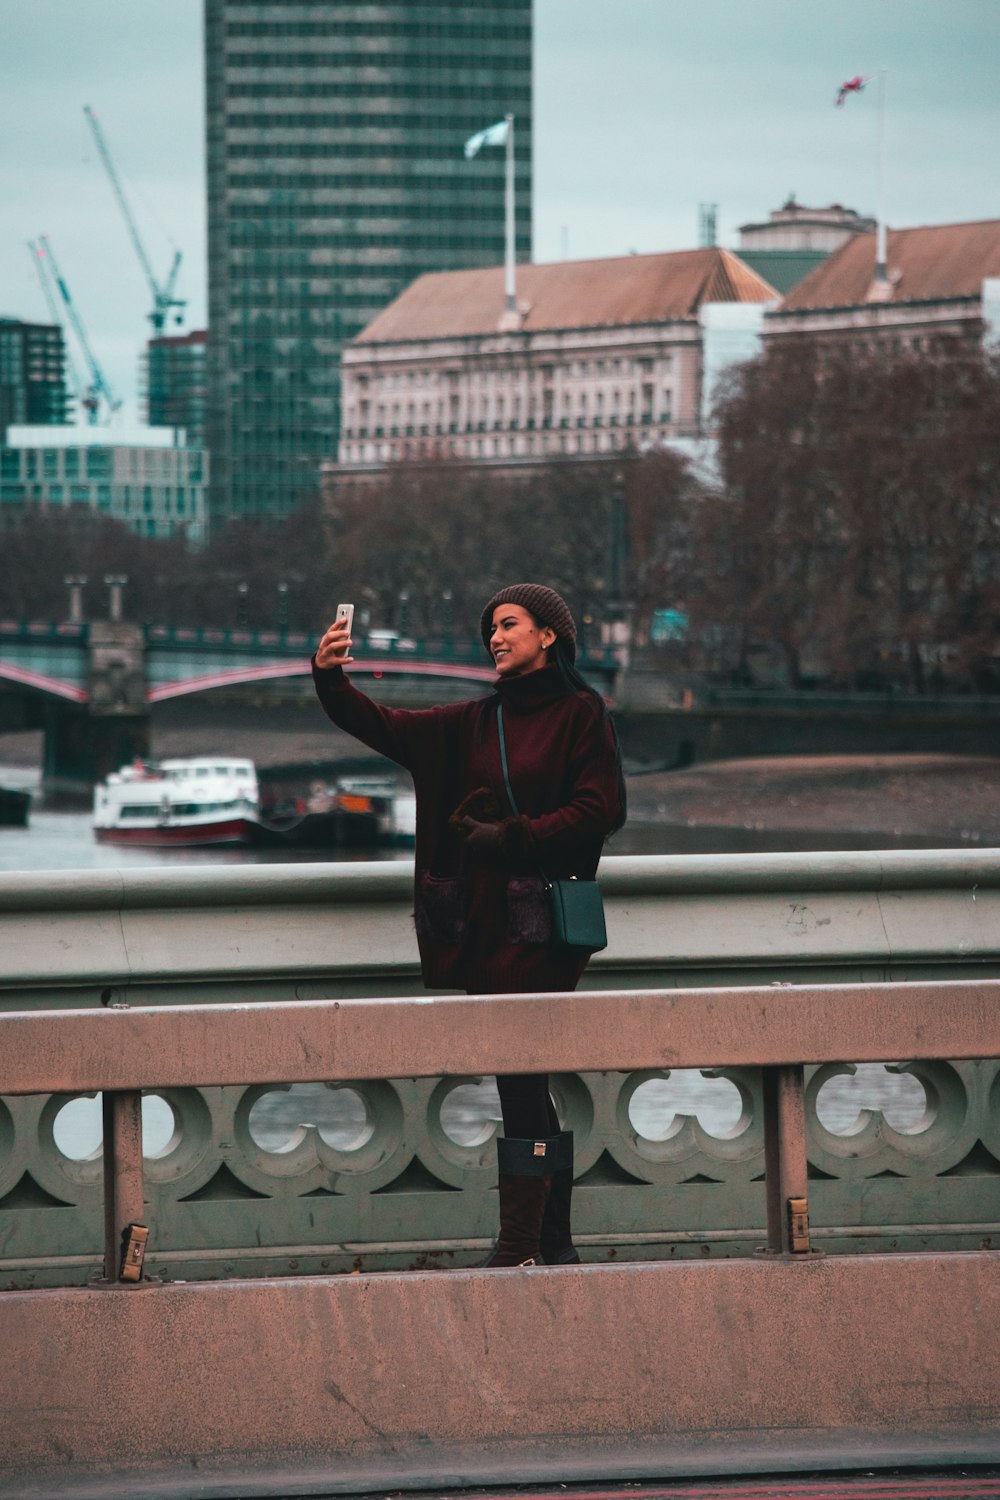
x: 227, y: 1199
x: 264, y: 1178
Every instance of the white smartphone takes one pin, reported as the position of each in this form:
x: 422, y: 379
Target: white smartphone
x: 345, y: 612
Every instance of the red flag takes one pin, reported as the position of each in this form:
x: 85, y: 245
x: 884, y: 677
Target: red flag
x: 852, y: 86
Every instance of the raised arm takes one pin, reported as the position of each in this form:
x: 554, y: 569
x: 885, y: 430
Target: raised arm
x: 396, y: 733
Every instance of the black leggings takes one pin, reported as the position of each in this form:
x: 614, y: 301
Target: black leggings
x: 526, y: 1106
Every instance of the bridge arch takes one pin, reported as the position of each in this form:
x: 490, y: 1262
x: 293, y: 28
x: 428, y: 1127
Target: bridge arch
x: 41, y: 682
x: 272, y: 671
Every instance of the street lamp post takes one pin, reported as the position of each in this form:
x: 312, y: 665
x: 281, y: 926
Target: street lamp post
x: 619, y: 543
x: 617, y: 631
x: 404, y: 612
x: 76, y: 583
x: 115, y: 582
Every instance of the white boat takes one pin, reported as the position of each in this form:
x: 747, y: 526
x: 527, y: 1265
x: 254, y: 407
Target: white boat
x: 207, y: 799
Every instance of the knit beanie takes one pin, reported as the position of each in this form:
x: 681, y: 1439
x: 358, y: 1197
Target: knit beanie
x: 548, y: 608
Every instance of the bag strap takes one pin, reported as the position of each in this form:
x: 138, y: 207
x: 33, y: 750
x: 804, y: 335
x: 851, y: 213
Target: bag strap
x: 503, y: 762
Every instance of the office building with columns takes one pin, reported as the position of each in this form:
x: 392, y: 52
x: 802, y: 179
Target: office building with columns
x: 942, y: 281
x: 603, y: 356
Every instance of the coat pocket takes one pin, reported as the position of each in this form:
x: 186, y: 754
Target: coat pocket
x: 529, y: 917
x: 439, y: 908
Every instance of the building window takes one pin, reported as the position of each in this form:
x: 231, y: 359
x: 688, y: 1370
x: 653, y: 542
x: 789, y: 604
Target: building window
x: 98, y: 463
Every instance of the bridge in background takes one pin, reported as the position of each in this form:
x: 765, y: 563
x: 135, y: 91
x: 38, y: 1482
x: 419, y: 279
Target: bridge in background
x: 735, y: 1336
x: 90, y: 685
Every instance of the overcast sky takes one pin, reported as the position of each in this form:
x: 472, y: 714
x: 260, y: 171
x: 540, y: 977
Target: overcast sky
x: 644, y: 109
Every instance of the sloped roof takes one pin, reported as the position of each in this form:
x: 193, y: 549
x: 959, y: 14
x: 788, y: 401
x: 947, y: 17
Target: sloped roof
x: 926, y: 264
x: 569, y: 294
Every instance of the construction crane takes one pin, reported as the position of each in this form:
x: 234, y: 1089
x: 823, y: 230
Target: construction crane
x: 163, y: 294
x: 56, y: 313
x: 91, y: 398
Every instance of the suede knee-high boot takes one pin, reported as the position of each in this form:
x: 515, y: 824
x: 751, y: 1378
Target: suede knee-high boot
x: 556, y: 1239
x: 525, y: 1177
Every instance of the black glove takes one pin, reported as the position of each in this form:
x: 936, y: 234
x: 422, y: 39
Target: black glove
x: 481, y: 839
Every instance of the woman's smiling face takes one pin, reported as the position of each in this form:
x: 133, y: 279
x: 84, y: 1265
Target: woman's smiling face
x: 517, y: 644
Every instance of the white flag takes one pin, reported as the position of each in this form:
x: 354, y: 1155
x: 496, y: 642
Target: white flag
x: 496, y: 135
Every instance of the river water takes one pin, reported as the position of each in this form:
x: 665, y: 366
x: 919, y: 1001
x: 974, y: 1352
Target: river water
x: 64, y: 840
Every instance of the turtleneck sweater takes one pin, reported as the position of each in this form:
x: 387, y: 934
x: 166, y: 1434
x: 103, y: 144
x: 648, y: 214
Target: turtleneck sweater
x: 477, y: 917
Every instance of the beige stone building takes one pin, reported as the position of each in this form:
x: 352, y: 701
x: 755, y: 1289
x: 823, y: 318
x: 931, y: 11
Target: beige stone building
x: 942, y: 280
x: 602, y: 355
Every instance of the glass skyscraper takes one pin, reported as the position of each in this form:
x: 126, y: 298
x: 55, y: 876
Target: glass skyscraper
x: 336, y: 175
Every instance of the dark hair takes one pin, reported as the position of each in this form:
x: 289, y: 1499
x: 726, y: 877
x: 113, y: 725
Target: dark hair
x: 574, y: 682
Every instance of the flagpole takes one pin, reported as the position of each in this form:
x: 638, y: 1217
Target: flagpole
x: 510, y: 299
x: 881, y: 264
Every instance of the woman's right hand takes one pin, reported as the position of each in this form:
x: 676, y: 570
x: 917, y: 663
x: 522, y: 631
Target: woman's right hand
x: 482, y: 839
x: 335, y: 645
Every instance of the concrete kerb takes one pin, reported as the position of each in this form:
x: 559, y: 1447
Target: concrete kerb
x: 358, y: 1383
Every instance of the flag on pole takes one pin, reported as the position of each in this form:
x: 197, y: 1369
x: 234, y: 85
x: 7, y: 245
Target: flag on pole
x: 495, y: 135
x: 852, y: 86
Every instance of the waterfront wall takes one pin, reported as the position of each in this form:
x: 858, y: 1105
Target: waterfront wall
x: 721, y: 725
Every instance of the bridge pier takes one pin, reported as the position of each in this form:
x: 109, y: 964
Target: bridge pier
x: 84, y: 742
x: 81, y: 748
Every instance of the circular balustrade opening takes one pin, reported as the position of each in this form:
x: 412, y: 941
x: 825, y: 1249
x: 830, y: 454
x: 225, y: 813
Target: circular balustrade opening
x: 471, y: 1112
x: 340, y: 1116
x: 656, y: 1104
x: 842, y: 1100
x: 78, y: 1133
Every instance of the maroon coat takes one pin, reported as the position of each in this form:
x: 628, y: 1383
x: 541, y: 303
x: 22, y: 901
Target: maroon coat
x: 482, y: 922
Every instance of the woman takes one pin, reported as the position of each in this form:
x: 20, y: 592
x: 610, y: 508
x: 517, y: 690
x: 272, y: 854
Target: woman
x: 480, y: 907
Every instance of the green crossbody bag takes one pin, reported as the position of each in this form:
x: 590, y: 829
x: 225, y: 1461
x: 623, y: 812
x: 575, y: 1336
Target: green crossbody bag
x: 576, y: 906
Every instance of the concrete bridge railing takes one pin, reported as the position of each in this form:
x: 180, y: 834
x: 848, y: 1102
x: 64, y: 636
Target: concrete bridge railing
x: 340, y: 1174
x: 785, y: 1360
